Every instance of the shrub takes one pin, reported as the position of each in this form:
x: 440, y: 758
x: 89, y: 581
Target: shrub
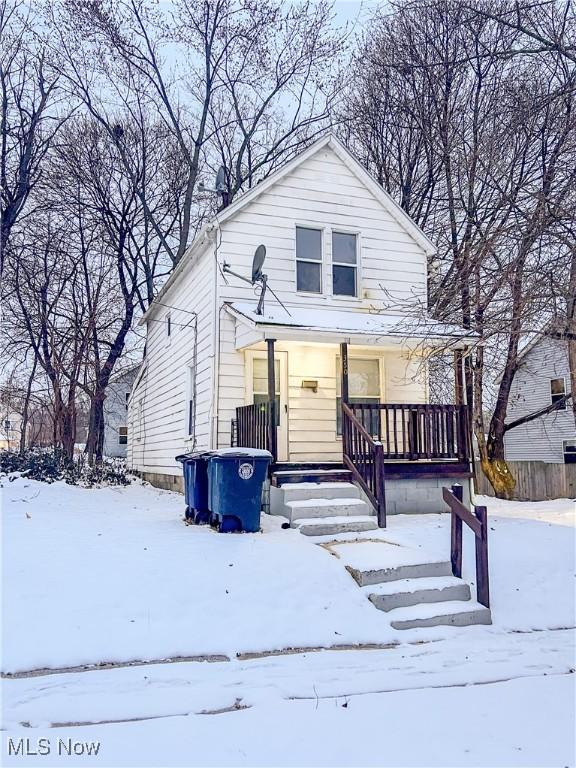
x: 50, y: 465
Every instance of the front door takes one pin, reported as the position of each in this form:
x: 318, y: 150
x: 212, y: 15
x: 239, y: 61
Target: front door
x: 257, y: 391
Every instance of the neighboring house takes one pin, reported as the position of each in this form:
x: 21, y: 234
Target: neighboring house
x: 116, y: 435
x: 342, y: 256
x: 542, y: 378
x: 10, y: 430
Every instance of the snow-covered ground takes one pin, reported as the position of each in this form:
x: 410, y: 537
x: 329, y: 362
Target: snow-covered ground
x: 113, y: 576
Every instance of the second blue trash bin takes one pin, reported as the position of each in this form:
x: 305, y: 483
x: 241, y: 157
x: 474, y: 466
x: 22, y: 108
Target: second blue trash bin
x: 195, y: 471
x: 235, y: 480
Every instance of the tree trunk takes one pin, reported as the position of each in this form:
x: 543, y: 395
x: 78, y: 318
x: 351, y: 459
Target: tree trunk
x: 26, y: 408
x: 95, y: 440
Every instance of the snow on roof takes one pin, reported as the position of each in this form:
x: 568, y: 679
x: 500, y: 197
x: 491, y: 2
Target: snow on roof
x: 363, y: 323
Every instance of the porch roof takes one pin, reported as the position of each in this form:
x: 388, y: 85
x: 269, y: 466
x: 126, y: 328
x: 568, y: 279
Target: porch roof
x: 300, y: 324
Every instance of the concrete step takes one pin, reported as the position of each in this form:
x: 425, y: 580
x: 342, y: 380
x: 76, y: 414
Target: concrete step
x: 329, y: 526
x: 450, y: 613
x: 399, y: 594
x: 302, y: 491
x: 397, y: 572
x: 321, y: 475
x: 326, y: 508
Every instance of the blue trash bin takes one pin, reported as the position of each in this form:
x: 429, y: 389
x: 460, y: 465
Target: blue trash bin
x: 235, y: 480
x: 195, y: 471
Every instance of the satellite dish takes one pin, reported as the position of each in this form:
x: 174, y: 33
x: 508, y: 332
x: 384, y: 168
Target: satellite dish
x: 221, y: 179
x: 258, y: 262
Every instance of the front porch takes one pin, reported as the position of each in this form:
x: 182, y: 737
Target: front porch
x: 353, y: 412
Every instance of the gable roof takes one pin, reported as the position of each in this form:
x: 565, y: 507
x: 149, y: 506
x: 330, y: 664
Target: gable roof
x: 343, y: 153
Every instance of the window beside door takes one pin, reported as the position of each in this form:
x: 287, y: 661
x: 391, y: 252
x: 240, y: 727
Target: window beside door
x: 363, y: 387
x: 260, y: 383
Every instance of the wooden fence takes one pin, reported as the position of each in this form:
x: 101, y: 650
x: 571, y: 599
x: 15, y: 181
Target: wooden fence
x: 535, y: 481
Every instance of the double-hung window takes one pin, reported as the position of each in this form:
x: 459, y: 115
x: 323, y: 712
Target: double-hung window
x: 363, y: 387
x: 558, y: 392
x: 308, y: 260
x: 344, y: 264
x: 122, y: 435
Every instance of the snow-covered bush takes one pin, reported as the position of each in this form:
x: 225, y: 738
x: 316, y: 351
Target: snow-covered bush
x: 50, y: 465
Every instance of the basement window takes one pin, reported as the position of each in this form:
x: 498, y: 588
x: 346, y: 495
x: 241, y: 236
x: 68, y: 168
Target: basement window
x: 558, y: 392
x: 308, y: 260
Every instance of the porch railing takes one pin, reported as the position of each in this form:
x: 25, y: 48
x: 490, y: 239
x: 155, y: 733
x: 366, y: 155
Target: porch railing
x: 364, y: 457
x: 413, y: 432
x: 252, y: 427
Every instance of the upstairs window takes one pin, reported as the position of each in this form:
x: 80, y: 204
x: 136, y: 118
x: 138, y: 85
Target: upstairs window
x: 344, y: 264
x: 308, y: 260
x: 558, y: 392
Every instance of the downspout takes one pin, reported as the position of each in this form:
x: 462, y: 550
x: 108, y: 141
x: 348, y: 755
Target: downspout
x: 215, y: 233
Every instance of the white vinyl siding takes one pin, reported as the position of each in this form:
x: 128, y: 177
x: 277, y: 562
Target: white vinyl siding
x: 541, y: 439
x: 157, y: 422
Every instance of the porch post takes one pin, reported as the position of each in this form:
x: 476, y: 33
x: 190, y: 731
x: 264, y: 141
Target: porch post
x: 272, y: 432
x: 458, y: 378
x: 344, y: 372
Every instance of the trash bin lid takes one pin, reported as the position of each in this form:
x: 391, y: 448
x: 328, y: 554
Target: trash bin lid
x: 251, y: 453
x: 192, y: 455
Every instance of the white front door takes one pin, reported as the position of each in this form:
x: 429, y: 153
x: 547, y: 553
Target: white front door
x: 257, y: 391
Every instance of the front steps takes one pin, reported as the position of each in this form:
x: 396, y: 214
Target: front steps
x: 406, y: 592
x: 321, y: 508
x: 419, y: 594
x: 413, y: 590
x: 330, y: 526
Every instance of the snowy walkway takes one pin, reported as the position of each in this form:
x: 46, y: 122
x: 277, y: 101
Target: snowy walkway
x: 113, y: 575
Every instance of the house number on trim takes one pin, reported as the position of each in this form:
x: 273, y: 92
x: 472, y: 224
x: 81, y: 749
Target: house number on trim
x: 245, y: 471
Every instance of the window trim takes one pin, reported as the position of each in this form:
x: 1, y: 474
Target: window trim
x: 558, y: 378
x: 125, y: 427
x: 356, y: 266
x: 320, y: 262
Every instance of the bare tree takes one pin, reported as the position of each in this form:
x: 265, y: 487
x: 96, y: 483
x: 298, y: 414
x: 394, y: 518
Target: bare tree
x: 478, y: 142
x: 29, y: 93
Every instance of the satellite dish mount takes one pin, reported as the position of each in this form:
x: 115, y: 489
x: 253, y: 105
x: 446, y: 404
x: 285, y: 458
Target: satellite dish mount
x: 257, y: 278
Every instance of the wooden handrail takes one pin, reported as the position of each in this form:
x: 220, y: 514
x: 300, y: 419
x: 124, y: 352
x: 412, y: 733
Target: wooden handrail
x: 364, y: 457
x: 477, y: 521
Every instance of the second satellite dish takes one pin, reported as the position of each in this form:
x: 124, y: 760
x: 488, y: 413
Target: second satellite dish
x: 258, y: 263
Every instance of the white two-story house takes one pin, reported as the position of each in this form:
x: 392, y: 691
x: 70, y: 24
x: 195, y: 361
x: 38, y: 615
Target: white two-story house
x: 329, y: 375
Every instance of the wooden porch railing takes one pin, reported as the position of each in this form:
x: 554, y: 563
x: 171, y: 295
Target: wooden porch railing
x: 253, y: 426
x: 478, y: 522
x: 416, y: 431
x: 364, y: 457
